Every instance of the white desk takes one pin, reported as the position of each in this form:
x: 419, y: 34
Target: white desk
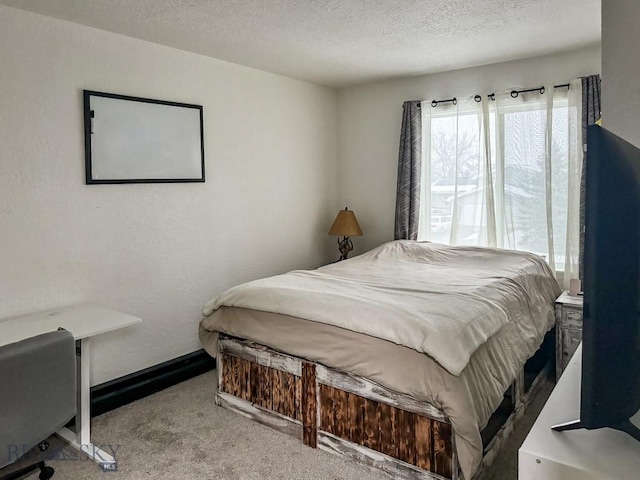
x: 84, y: 322
x: 603, y: 454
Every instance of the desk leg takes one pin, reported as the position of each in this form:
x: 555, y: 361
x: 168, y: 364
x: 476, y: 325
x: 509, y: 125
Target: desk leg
x: 81, y: 439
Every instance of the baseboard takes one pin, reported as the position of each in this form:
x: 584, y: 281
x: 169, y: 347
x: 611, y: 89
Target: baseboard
x: 120, y: 391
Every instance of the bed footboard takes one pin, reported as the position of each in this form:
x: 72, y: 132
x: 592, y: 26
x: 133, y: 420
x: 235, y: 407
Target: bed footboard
x: 336, y: 411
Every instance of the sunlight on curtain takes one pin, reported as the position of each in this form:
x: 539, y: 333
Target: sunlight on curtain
x: 505, y: 173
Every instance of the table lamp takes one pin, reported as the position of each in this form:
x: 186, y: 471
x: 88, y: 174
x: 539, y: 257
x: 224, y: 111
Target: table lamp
x: 345, y: 225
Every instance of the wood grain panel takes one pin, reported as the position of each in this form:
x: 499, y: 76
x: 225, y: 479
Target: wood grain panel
x: 255, y: 353
x: 326, y: 408
x: 254, y: 384
x: 368, y: 389
x: 289, y: 389
x: 355, y: 418
x: 263, y: 386
x: 394, y: 468
x: 265, y: 395
x: 405, y: 432
x: 231, y: 375
x: 225, y: 368
x: 340, y: 407
x: 244, y: 378
x: 387, y: 434
x: 442, y: 449
x: 371, y: 437
x: 297, y: 403
x: 424, y: 442
x: 309, y: 405
x: 384, y: 428
x: 278, y: 391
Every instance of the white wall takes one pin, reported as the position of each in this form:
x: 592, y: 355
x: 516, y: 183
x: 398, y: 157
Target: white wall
x: 158, y: 251
x: 621, y: 68
x: 369, y: 118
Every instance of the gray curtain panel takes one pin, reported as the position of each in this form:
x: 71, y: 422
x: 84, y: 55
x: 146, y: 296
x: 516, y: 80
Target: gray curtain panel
x: 409, y: 173
x: 590, y: 113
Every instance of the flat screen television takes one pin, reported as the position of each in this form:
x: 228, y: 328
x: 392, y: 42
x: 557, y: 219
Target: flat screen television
x: 610, y: 391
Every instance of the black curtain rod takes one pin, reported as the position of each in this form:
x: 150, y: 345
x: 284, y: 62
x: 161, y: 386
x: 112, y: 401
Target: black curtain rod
x: 515, y: 93
x: 454, y: 100
x: 492, y: 96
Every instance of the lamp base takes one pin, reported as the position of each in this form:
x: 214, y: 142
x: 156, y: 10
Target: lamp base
x: 345, y: 246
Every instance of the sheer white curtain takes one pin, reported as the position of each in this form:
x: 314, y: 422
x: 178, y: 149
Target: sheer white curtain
x: 574, y: 125
x: 505, y: 172
x: 457, y: 204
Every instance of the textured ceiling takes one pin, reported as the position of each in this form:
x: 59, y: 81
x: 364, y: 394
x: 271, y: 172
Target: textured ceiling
x: 344, y: 42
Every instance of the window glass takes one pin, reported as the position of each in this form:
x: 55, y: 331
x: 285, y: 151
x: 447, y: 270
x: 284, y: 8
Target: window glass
x: 513, y: 193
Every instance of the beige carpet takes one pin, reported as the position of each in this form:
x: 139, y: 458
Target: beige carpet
x: 180, y: 434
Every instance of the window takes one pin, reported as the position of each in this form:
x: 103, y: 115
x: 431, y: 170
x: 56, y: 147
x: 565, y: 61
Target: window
x: 503, y: 173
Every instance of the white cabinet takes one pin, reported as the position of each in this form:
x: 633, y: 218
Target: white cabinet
x: 602, y: 454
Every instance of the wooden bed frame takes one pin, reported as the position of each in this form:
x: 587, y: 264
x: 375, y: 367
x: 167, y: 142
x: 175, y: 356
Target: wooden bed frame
x: 347, y: 414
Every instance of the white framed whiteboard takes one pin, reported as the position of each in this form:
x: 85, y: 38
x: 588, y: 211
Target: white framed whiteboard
x: 141, y: 140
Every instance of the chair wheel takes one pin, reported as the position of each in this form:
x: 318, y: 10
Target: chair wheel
x: 46, y: 473
x: 43, y: 445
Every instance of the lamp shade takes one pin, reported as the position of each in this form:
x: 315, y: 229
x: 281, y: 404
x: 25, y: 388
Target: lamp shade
x: 345, y: 224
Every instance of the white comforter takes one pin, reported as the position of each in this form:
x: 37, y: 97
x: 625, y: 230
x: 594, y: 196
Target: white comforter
x: 440, y: 300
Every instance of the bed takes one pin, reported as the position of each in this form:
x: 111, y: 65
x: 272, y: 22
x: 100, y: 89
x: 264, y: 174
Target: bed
x: 397, y: 357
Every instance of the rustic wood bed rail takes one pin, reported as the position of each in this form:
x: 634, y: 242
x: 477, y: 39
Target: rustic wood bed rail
x: 343, y: 413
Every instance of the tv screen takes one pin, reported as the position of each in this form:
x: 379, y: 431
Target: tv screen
x: 610, y: 392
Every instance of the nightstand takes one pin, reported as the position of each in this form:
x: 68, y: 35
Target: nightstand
x: 568, y: 329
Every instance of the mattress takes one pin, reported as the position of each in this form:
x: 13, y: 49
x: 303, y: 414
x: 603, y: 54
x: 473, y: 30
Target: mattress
x: 440, y: 300
x: 468, y: 398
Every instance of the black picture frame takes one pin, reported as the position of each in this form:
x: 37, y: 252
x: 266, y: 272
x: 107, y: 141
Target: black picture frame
x: 148, y: 120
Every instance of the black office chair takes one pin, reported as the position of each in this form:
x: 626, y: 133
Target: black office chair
x: 37, y: 396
